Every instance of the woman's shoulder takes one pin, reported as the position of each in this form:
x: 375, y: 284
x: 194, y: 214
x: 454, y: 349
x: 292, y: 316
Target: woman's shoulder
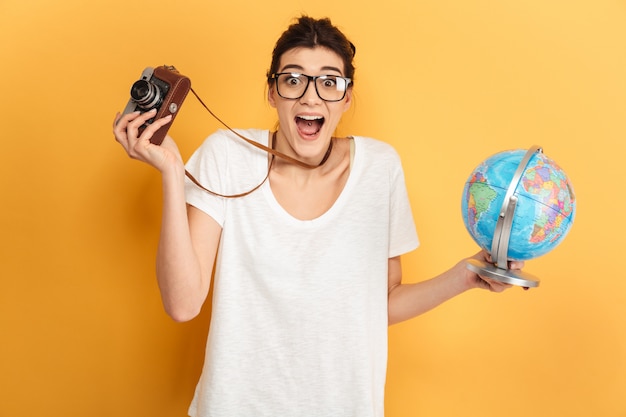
x: 226, y: 142
x: 376, y: 147
x: 225, y: 136
x: 226, y: 147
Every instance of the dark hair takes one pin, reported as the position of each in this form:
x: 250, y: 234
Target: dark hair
x: 308, y: 32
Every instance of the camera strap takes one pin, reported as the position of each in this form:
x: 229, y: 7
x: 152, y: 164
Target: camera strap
x: 203, y: 188
x: 263, y: 147
x: 267, y: 149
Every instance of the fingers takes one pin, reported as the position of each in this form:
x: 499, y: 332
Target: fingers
x: 123, y: 119
x: 495, y: 285
x: 137, y: 120
x: 120, y: 126
x: 489, y: 283
x: 126, y: 128
x: 117, y: 119
x: 486, y: 256
x: 154, y: 126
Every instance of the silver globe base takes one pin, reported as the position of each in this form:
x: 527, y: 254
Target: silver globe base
x: 508, y: 276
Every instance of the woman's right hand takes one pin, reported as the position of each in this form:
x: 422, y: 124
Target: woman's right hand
x: 126, y: 132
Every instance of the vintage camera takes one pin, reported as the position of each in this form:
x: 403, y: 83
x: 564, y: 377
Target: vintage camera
x: 162, y: 88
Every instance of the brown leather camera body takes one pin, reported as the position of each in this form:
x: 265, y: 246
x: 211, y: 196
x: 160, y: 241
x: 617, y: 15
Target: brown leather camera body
x: 178, y: 86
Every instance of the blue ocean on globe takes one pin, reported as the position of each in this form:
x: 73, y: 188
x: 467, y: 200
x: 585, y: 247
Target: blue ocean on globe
x: 545, y: 208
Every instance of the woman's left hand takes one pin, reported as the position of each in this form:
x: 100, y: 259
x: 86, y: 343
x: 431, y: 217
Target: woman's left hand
x: 490, y: 284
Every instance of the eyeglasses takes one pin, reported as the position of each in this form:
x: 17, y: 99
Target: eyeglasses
x: 293, y: 85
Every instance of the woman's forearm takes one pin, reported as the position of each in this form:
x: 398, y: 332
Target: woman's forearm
x: 179, y: 274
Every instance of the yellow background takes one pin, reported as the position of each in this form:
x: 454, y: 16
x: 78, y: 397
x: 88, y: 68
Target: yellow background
x: 447, y: 82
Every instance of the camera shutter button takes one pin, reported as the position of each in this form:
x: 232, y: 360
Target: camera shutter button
x: 173, y: 107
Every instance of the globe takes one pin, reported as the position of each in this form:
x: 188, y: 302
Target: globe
x: 540, y: 193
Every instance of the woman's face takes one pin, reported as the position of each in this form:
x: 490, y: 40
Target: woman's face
x: 309, y: 122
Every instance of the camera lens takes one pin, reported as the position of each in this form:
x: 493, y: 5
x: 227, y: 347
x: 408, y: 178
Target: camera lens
x: 146, y: 94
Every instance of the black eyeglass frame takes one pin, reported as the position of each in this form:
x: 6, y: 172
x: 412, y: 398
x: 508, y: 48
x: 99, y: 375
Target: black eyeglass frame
x: 310, y: 78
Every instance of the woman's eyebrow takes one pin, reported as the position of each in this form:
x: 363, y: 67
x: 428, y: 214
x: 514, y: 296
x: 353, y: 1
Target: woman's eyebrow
x: 299, y: 68
x: 332, y: 69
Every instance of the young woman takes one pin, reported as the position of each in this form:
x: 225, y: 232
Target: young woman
x: 307, y: 267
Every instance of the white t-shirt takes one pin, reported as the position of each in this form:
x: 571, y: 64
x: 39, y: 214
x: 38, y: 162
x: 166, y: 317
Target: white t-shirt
x: 299, y: 311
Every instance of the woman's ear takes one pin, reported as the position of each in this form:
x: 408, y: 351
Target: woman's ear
x: 348, y: 100
x: 270, y: 95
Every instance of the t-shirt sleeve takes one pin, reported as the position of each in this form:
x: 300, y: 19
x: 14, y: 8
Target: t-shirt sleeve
x: 205, y: 166
x: 226, y: 165
x: 402, y: 233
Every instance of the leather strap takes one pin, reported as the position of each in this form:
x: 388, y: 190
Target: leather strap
x: 267, y: 149
x: 195, y: 181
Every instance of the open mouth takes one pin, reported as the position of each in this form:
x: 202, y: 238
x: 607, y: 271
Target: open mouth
x: 309, y: 125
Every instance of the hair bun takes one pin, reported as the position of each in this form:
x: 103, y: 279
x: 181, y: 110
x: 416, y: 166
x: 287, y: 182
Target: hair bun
x: 353, y: 49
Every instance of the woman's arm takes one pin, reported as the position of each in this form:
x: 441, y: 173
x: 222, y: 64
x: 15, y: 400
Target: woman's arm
x: 409, y: 300
x: 189, y: 238
x: 186, y: 253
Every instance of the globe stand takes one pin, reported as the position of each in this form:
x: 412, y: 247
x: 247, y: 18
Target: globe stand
x: 502, y: 234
